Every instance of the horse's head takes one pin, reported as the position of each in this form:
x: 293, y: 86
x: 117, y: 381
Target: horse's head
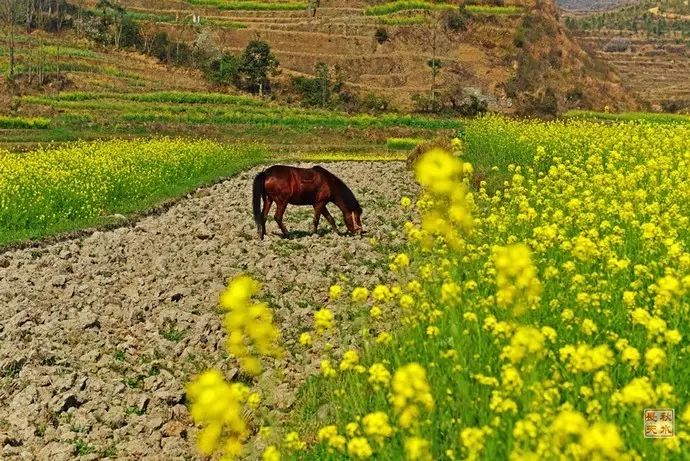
x: 353, y: 221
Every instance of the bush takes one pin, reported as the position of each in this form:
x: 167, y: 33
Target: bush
x: 381, y: 35
x: 130, y: 36
x: 617, y: 45
x: 423, y: 102
x: 520, y: 37
x: 160, y: 47
x: 674, y: 106
x: 470, y: 106
x: 371, y: 103
x: 543, y: 104
x: 223, y: 70
x: 456, y: 20
x: 94, y: 29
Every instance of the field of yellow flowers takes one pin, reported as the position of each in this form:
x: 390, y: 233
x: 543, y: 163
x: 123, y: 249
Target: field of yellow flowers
x: 533, y: 322
x: 63, y: 188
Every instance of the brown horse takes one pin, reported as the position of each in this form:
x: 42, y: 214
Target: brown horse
x: 303, y: 186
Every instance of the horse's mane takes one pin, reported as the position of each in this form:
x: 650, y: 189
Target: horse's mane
x: 340, y: 188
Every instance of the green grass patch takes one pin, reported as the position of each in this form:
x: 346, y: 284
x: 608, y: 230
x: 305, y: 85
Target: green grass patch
x: 403, y: 143
x: 251, y: 5
x: 343, y: 157
x: 627, y: 116
x: 24, y: 123
x: 412, y: 5
x: 54, y: 50
x: 396, y: 20
x: 222, y: 109
x: 495, y: 10
x: 173, y: 97
x: 140, y: 16
x: 405, y: 5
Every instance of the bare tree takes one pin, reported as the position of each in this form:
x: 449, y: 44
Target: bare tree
x: 10, y: 13
x: 115, y: 13
x: 434, y: 63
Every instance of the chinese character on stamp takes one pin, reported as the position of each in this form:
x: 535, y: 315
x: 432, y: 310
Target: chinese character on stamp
x: 659, y: 423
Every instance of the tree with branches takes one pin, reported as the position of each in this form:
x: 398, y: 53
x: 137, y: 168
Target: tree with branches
x: 11, y: 11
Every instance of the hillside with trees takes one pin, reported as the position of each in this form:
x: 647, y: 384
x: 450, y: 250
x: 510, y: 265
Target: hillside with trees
x: 346, y: 55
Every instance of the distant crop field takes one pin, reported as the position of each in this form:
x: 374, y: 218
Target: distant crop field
x: 223, y: 109
x: 23, y: 122
x: 406, y: 5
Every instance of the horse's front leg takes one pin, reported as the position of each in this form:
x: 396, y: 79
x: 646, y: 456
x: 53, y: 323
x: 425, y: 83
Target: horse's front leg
x: 318, y: 210
x: 330, y: 219
x: 280, y: 211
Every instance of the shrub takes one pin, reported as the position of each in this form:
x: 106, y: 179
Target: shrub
x: 160, y: 47
x: 470, y: 105
x: 370, y: 102
x: 617, y: 45
x: 130, y: 35
x: 423, y: 102
x: 456, y: 20
x: 520, y: 37
x: 381, y: 35
x: 256, y: 65
x: 223, y: 70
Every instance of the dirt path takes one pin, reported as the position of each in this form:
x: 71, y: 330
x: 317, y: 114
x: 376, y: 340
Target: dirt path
x: 99, y: 335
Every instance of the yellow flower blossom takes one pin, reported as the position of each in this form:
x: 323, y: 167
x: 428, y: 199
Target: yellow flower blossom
x: 417, y: 449
x: 334, y: 292
x: 359, y: 448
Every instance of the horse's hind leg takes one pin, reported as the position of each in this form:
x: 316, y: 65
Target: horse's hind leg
x: 280, y: 211
x: 330, y: 219
x: 264, y: 215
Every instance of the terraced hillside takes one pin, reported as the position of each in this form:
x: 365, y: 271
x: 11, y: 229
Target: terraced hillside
x: 386, y: 48
x: 648, y: 44
x: 659, y: 72
x: 517, y: 57
x: 342, y: 34
x: 592, y: 5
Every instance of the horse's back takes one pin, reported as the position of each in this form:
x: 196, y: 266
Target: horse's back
x: 299, y: 186
x: 286, y: 169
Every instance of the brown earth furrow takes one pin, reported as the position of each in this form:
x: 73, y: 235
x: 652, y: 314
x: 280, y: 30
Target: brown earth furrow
x: 100, y: 334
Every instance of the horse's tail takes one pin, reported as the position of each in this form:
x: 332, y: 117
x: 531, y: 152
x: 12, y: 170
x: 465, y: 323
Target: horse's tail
x: 259, y: 190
